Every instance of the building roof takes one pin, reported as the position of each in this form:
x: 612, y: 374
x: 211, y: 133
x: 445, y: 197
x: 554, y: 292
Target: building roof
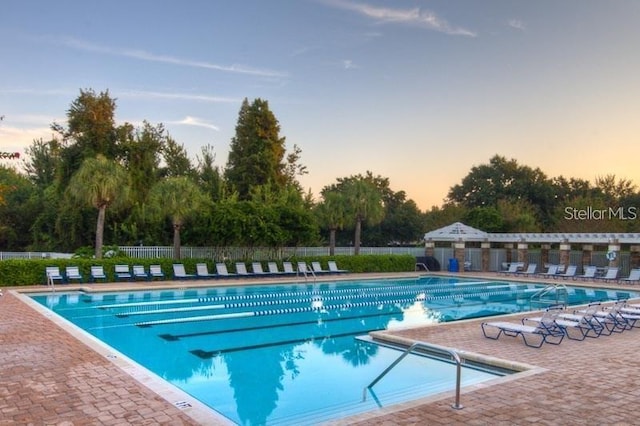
x: 460, y: 232
x: 456, y: 232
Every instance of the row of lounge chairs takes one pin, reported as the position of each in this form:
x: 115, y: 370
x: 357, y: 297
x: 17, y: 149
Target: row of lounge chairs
x: 257, y: 270
x: 124, y: 272
x: 590, y: 273
x: 556, y: 323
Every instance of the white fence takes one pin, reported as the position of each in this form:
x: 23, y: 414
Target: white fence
x: 258, y: 253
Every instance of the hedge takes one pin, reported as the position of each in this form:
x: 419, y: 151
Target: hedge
x: 24, y: 272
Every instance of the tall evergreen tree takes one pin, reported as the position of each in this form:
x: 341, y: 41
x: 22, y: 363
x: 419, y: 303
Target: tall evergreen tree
x: 257, y: 152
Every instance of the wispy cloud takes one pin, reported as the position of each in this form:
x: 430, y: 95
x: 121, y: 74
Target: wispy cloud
x: 143, y: 55
x: 142, y: 94
x: 416, y: 16
x: 348, y: 64
x: 193, y: 121
x: 517, y: 24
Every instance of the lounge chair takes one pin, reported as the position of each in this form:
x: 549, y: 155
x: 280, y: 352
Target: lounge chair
x: 256, y: 267
x: 634, y: 277
x: 531, y: 270
x: 333, y: 267
x: 316, y: 267
x: 221, y: 269
x: 139, y: 273
x: 202, y: 271
x: 589, y: 273
x: 514, y: 267
x: 273, y: 268
x: 552, y: 271
x: 575, y: 326
x: 610, y: 275
x: 304, y: 269
x: 241, y: 269
x: 614, y: 318
x: 545, y: 331
x: 569, y: 273
x: 288, y: 268
x: 97, y: 274
x: 122, y: 272
x: 179, y: 272
x: 72, y: 273
x: 52, y: 274
x: 155, y: 271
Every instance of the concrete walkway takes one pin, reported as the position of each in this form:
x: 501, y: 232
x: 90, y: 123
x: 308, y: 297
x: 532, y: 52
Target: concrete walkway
x: 49, y: 377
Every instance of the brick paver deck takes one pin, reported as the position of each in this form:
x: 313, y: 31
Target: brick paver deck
x: 48, y: 377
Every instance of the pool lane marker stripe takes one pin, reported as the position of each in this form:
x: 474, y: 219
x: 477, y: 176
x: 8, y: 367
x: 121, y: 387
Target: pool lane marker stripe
x: 269, y: 312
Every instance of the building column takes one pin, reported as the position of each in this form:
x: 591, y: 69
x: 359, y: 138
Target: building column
x: 523, y: 254
x: 429, y: 248
x: 587, y: 251
x: 509, y: 247
x: 458, y: 253
x: 565, y: 253
x: 613, y: 253
x: 544, y: 255
x: 486, y: 255
x: 634, y: 261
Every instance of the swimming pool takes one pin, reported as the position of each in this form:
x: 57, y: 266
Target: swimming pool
x: 287, y: 354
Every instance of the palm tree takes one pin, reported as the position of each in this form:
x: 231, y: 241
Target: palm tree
x: 100, y: 183
x: 177, y: 197
x: 364, y: 204
x: 331, y: 213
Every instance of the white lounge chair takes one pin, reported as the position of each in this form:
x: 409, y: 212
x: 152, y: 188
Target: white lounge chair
x: 155, y: 271
x: 179, y: 272
x: 202, y: 271
x: 273, y: 268
x: 634, y: 277
x: 72, y: 273
x: 611, y: 274
x: 241, y: 269
x: 288, y: 268
x: 317, y: 268
x: 256, y: 267
x: 221, y: 269
x: 569, y: 273
x: 122, y: 272
x: 333, y: 267
x: 545, y: 331
x: 552, y: 270
x: 139, y: 273
x: 97, y: 273
x: 531, y: 270
x: 589, y: 273
x: 514, y: 267
x: 53, y: 275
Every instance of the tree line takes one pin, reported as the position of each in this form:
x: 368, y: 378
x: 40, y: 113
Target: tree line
x: 95, y: 182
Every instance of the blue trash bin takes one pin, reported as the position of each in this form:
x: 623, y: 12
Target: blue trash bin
x: 453, y: 265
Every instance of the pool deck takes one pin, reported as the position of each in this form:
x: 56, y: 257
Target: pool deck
x: 51, y: 375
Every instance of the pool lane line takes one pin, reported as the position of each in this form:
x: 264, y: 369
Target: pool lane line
x: 175, y: 337
x: 268, y: 312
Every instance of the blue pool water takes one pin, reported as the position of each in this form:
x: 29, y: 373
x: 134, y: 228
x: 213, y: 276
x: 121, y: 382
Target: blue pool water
x: 288, y: 354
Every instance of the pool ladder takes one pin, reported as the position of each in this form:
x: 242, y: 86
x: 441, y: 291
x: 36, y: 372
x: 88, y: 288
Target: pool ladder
x: 553, y: 294
x: 428, y: 347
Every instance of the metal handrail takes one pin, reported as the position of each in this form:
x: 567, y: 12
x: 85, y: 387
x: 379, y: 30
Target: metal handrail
x: 424, y: 345
x: 306, y: 270
x: 538, y: 294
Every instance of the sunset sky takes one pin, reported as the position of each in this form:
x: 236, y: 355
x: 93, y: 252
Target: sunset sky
x: 417, y: 91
